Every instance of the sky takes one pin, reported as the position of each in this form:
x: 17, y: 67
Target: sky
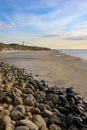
x: 57, y: 24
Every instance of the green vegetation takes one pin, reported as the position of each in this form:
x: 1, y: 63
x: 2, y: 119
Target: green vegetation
x: 7, y: 47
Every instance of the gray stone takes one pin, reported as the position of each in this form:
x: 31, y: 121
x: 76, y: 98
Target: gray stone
x: 54, y: 119
x: 35, y: 111
x: 42, y: 106
x: 7, y: 99
x: 73, y: 127
x: 49, y: 103
x: 47, y: 113
x: 38, y: 120
x: 30, y: 100
x: 27, y: 91
x: 16, y: 115
x: 18, y: 101
x: 53, y: 98
x: 48, y: 107
x: 20, y: 108
x: 69, y: 120
x: 28, y: 108
x: 54, y: 127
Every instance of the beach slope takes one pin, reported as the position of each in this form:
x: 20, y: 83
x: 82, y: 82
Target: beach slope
x: 57, y: 69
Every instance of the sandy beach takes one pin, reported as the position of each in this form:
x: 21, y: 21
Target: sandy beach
x: 57, y: 69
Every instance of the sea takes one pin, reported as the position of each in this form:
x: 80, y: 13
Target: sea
x: 77, y: 53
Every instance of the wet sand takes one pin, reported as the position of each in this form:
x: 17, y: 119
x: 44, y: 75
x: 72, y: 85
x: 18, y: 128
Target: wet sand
x: 57, y: 69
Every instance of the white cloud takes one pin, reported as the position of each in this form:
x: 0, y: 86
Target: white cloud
x: 83, y: 5
x: 53, y: 24
x: 43, y: 22
x: 50, y: 3
x: 6, y: 26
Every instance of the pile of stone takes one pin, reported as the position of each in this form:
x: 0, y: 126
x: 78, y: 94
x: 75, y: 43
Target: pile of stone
x: 28, y: 104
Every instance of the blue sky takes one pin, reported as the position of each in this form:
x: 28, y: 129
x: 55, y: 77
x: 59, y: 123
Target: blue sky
x: 50, y: 23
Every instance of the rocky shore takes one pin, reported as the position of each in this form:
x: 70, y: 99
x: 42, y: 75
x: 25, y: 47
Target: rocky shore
x: 29, y: 104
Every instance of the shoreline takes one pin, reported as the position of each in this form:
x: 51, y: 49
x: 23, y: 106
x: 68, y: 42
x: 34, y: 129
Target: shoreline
x: 73, y: 55
x: 62, y: 71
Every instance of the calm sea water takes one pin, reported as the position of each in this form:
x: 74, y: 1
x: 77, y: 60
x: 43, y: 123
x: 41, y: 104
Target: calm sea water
x: 77, y: 53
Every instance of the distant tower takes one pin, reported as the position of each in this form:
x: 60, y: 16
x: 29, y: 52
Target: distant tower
x: 23, y: 43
